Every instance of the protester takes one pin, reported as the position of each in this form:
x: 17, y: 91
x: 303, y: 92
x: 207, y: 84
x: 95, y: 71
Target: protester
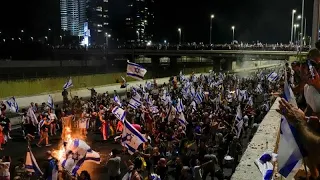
x: 113, y: 165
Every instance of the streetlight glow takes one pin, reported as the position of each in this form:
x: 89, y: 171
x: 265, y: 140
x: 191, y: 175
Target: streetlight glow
x: 296, y: 25
x: 179, y: 29
x: 232, y: 27
x: 212, y: 16
x: 294, y: 11
x: 299, y: 17
x: 22, y: 31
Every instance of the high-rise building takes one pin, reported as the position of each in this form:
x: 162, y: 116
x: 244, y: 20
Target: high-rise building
x: 98, y: 19
x: 140, y: 21
x: 73, y: 16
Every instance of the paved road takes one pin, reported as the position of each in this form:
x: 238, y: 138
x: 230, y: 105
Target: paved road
x: 17, y: 147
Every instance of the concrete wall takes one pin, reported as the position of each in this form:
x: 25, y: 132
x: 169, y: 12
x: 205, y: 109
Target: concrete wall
x: 46, y: 63
x: 264, y: 140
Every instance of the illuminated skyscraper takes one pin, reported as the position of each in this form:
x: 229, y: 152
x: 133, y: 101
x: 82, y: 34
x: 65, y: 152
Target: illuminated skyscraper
x: 140, y: 21
x: 73, y: 16
x: 76, y: 13
x: 98, y: 18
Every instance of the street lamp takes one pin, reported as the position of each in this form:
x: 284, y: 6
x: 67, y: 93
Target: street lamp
x: 179, y: 30
x: 295, y: 30
x: 299, y: 17
x: 292, y: 24
x: 211, y: 17
x: 233, y: 28
x: 31, y: 38
x: 107, y: 39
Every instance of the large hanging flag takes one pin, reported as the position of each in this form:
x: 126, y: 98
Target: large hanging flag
x: 31, y: 164
x: 290, y: 152
x: 13, y: 105
x: 135, y: 71
x: 68, y: 84
x: 50, y: 102
x: 119, y: 113
x: 131, y: 138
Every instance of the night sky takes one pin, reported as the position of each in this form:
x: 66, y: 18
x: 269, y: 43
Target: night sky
x: 266, y: 21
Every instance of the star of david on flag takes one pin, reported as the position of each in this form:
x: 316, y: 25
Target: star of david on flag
x: 135, y: 71
x: 131, y: 138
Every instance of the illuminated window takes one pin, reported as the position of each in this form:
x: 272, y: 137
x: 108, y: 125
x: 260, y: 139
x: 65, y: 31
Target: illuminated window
x: 99, y: 25
x: 99, y: 30
x: 105, y: 0
x: 99, y: 8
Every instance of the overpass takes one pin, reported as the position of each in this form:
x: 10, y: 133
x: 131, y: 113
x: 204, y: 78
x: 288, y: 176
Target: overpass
x: 152, y: 52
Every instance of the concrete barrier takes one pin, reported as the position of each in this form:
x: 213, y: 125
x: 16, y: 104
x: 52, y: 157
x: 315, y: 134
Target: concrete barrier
x: 265, y: 140
x: 24, y: 102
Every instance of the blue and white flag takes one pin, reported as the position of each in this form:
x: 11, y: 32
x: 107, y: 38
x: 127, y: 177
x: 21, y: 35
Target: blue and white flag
x: 272, y: 77
x: 198, y: 98
x: 264, y: 163
x: 133, y: 103
x: 148, y: 85
x: 31, y: 164
x: 193, y: 105
x: 41, y: 123
x: 116, y: 99
x: 135, y: 71
x: 13, y: 105
x: 290, y: 152
x: 68, y: 84
x: 250, y: 101
x: 180, y: 106
x: 182, y: 119
x: 131, y: 138
x: 78, y: 152
x: 259, y: 88
x: 171, y: 113
x: 50, y: 102
x: 119, y: 113
x: 154, y: 109
x: 32, y: 116
x: 239, y: 121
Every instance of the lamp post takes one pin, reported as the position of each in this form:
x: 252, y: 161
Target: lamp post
x: 107, y: 39
x: 294, y: 31
x: 211, y: 17
x: 292, y: 24
x: 302, y: 18
x: 233, y: 28
x: 179, y: 31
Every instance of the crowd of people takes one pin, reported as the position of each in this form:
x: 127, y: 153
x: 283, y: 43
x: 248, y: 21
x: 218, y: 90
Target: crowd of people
x: 196, y: 126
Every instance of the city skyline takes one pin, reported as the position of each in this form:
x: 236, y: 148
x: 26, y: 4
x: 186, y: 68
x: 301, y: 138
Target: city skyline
x: 264, y: 21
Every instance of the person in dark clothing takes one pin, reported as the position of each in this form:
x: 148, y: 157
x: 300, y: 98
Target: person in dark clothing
x: 50, y: 167
x: 84, y: 175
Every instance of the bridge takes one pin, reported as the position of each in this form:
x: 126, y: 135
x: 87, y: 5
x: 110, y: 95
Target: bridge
x: 151, y: 52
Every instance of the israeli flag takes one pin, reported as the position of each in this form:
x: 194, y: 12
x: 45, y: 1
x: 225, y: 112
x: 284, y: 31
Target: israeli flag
x: 116, y: 99
x: 180, y: 106
x: 290, y: 152
x: 154, y: 109
x: 239, y: 121
x: 259, y: 88
x: 13, y: 105
x: 133, y: 103
x: 198, y: 98
x: 182, y: 119
x: 78, y: 152
x: 272, y: 77
x: 41, y: 123
x: 193, y: 105
x: 119, y: 113
x: 250, y: 101
x: 264, y: 163
x: 148, y: 85
x: 68, y: 84
x: 131, y: 138
x: 31, y: 164
x: 50, y: 102
x: 135, y: 71
x: 32, y: 116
